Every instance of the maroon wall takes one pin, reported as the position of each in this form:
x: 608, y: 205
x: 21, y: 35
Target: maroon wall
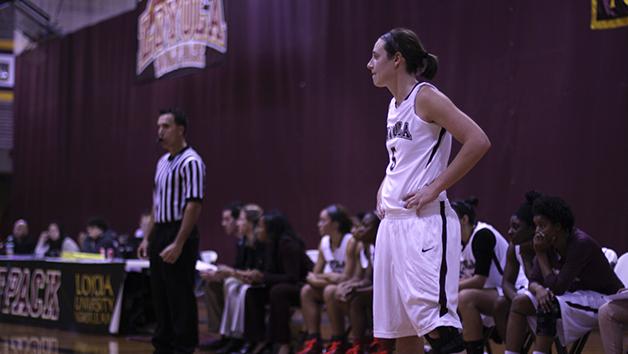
x: 291, y: 120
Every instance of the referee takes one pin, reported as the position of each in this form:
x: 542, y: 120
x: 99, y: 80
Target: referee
x: 172, y: 245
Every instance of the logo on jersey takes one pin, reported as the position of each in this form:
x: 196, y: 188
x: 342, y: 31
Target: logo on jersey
x: 467, y: 269
x: 174, y: 34
x: 336, y: 266
x: 399, y: 130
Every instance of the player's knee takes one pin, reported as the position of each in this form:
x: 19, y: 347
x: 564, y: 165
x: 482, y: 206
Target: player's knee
x: 546, y: 320
x: 449, y: 340
x: 520, y: 304
x: 329, y: 294
x: 306, y: 292
x: 502, y: 302
x: 501, y: 306
x: 605, y: 313
x: 466, y: 298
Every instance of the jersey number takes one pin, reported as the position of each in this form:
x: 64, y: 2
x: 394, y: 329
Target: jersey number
x: 393, y: 159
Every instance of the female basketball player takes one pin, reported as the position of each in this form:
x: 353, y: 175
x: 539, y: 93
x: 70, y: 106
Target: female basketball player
x: 417, y: 256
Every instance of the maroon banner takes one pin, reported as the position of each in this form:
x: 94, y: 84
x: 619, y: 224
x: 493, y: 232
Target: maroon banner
x: 175, y: 34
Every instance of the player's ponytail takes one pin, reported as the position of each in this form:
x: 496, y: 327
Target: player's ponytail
x: 430, y: 66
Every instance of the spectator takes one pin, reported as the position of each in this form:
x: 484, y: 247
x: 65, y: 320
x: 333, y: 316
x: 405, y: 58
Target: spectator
x: 52, y: 242
x: 20, y: 242
x: 99, y: 237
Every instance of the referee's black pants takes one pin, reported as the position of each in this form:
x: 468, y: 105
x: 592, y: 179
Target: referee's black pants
x: 172, y: 288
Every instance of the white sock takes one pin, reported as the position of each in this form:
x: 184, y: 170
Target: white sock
x: 535, y: 352
x: 509, y: 352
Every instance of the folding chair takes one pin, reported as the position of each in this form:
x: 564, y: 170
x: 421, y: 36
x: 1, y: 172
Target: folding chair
x: 576, y: 347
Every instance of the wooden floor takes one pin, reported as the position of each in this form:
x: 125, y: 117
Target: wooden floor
x: 31, y: 339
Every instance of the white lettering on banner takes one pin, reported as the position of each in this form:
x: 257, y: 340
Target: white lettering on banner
x: 38, y: 283
x: 51, y: 299
x: 35, y: 296
x: 20, y: 306
x: 173, y: 34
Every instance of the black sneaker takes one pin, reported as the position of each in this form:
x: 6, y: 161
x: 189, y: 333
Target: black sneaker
x: 233, y: 345
x: 213, y: 344
x: 246, y: 348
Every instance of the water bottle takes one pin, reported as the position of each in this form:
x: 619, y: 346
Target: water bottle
x: 10, y: 246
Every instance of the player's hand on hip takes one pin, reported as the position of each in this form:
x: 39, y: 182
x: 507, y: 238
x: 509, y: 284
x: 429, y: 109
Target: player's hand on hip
x: 379, y: 208
x: 379, y: 211
x: 171, y: 253
x: 419, y: 198
x: 142, y: 250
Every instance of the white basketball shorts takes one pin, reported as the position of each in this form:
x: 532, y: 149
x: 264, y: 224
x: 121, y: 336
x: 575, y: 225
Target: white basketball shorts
x: 578, y: 312
x: 417, y: 264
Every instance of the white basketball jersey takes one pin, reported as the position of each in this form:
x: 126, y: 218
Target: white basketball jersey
x: 364, y: 259
x: 522, y: 279
x: 498, y: 262
x: 418, y: 152
x: 334, y: 259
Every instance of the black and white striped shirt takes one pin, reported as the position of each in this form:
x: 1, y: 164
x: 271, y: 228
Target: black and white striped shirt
x: 178, y: 179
